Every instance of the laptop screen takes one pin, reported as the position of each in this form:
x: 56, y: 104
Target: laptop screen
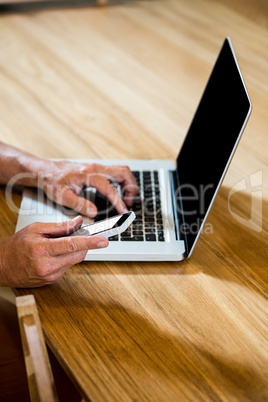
x: 210, y: 143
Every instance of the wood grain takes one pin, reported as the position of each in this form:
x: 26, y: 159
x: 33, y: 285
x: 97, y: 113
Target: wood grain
x: 123, y: 82
x: 39, y: 373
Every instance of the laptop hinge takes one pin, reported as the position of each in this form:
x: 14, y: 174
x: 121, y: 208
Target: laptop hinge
x: 177, y: 208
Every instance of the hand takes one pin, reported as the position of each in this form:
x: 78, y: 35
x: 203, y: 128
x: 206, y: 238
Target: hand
x: 39, y: 254
x: 62, y: 182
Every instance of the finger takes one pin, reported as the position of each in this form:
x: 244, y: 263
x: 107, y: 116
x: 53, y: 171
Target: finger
x: 61, y: 263
x: 116, y: 172
x: 67, y: 251
x: 122, y: 175
x: 110, y: 192
x: 128, y: 183
x: 58, y: 229
x: 129, y: 192
x: 79, y: 204
x: 73, y: 245
x: 66, y: 261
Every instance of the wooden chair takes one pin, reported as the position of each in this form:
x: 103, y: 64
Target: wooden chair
x: 40, y: 378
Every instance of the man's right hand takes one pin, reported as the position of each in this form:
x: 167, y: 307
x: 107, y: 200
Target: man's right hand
x: 40, y: 253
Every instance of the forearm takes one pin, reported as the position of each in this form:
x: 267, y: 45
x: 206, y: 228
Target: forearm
x: 63, y: 181
x: 21, y: 166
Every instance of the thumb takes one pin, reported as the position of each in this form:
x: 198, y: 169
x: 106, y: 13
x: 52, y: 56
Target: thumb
x: 60, y: 229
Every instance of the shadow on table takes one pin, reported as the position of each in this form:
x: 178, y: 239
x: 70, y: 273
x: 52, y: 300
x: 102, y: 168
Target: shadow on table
x: 200, y: 357
x: 233, y: 252
x: 146, y: 357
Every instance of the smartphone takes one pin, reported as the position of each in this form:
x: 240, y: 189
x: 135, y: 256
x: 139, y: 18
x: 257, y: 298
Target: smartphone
x: 107, y: 227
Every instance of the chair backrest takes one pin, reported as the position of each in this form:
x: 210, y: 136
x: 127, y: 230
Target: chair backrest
x: 39, y: 373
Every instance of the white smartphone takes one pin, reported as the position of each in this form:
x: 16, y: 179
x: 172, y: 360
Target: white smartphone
x: 107, y: 227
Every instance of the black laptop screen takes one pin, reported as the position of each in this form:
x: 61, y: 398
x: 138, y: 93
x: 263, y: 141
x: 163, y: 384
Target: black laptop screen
x: 210, y: 143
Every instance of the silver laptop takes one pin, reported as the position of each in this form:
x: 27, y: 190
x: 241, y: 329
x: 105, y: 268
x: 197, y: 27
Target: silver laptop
x: 174, y: 198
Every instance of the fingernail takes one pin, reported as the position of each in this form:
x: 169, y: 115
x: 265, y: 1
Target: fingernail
x: 79, y: 216
x: 102, y: 244
x: 123, y: 208
x: 91, y: 212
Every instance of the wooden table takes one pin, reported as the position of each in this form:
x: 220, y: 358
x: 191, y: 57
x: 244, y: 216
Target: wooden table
x: 123, y: 82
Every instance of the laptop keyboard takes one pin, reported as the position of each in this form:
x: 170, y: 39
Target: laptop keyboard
x: 148, y: 225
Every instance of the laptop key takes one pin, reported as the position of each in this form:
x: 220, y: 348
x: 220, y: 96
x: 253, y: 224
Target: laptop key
x: 136, y: 173
x: 150, y: 237
x: 149, y: 219
x: 137, y: 233
x: 134, y: 238
x: 149, y: 229
x: 126, y: 234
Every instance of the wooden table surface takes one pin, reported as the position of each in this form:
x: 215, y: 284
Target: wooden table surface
x: 123, y: 82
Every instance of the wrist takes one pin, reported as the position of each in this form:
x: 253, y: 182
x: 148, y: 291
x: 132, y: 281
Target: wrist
x: 20, y: 168
x: 33, y: 171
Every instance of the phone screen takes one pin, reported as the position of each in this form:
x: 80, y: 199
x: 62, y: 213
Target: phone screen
x: 101, y: 226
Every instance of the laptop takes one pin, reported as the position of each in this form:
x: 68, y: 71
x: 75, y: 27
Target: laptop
x: 174, y: 198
